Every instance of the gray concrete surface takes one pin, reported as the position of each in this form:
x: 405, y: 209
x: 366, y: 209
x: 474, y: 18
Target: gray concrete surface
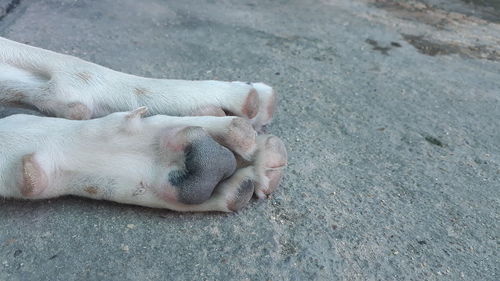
x: 390, y: 110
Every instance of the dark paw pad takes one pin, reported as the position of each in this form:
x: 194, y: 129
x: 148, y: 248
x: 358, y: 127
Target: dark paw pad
x: 206, y: 164
x: 242, y: 196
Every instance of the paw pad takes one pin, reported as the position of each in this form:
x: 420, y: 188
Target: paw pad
x: 35, y: 179
x: 251, y: 106
x: 242, y: 196
x: 271, y: 160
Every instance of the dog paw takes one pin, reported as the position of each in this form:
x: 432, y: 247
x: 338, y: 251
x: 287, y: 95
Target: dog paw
x: 255, y: 102
x: 260, y: 176
x: 181, y: 163
x: 261, y: 160
x: 270, y: 161
x: 235, y: 192
x: 268, y: 100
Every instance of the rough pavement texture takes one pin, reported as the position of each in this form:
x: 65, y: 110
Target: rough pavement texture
x: 391, y: 114
x: 486, y: 9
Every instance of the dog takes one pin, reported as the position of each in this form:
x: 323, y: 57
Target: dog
x: 71, y: 127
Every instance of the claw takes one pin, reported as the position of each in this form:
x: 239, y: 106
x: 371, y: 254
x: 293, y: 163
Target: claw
x: 137, y: 113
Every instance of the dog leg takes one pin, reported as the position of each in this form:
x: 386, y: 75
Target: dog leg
x: 182, y: 163
x: 69, y: 87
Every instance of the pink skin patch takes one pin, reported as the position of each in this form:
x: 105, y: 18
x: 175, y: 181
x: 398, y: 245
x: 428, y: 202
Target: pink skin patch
x: 35, y: 180
x: 168, y: 194
x: 274, y: 177
x: 78, y: 111
x: 276, y: 156
x: 240, y: 137
x: 251, y: 106
x: 274, y: 159
x: 175, y: 139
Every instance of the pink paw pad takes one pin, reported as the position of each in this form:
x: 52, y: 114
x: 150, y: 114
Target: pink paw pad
x: 35, y: 180
x: 240, y: 138
x: 242, y: 195
x: 251, y: 105
x: 272, y: 159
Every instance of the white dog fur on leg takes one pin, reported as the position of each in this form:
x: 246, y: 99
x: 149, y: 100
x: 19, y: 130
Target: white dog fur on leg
x: 158, y: 161
x: 69, y: 87
x: 192, y: 163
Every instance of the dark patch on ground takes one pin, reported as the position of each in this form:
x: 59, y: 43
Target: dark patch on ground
x: 17, y: 252
x: 488, y: 10
x: 434, y: 141
x: 288, y: 248
x: 383, y: 50
x: 408, y: 11
x: 296, y: 46
x: 436, y: 48
x: 396, y: 44
x: 487, y: 3
x: 300, y: 46
x: 7, y: 9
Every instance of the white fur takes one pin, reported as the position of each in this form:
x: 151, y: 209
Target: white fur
x: 119, y: 156
x: 55, y: 80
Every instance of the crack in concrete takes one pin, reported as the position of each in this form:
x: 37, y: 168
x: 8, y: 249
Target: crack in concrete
x: 10, y: 7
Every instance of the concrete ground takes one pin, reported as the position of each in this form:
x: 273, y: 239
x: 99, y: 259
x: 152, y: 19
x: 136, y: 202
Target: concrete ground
x: 390, y: 111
